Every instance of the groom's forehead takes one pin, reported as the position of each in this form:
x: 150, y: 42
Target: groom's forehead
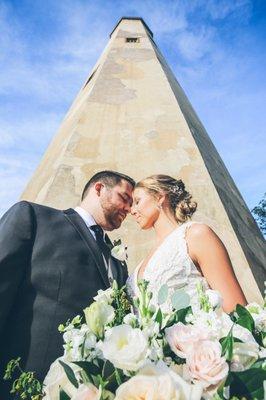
x: 125, y: 188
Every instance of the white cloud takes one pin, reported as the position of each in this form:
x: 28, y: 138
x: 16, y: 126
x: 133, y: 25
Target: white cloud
x: 223, y: 8
x: 40, y: 79
x: 195, y: 45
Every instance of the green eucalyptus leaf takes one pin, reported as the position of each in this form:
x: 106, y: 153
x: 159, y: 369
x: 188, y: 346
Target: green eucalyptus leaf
x: 163, y: 294
x: 180, y: 299
x: 70, y: 374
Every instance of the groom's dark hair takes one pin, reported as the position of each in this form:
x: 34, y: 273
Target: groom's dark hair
x: 109, y: 178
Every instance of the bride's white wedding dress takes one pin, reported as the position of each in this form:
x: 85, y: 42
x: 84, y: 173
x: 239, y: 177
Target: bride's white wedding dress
x: 170, y: 264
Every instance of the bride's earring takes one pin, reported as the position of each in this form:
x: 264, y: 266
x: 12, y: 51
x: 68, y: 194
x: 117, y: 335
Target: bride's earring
x: 159, y: 206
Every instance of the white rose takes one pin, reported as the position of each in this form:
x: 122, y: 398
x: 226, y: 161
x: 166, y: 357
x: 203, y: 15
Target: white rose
x: 181, y: 337
x: 157, y: 382
x: 205, y: 363
x: 87, y: 392
x: 104, y: 295
x: 97, y: 315
x: 244, y: 355
x: 125, y: 347
x: 55, y: 379
x: 214, y: 297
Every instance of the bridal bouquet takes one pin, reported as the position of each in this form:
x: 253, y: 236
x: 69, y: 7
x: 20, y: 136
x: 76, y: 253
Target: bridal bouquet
x: 129, y: 349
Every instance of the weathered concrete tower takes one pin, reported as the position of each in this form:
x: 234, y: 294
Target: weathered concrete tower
x: 131, y: 115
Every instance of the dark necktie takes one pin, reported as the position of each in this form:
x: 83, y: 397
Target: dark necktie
x: 100, y: 241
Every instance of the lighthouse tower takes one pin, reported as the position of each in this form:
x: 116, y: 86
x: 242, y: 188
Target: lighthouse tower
x: 132, y: 116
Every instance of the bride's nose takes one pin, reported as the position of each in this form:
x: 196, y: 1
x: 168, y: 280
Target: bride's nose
x: 133, y: 210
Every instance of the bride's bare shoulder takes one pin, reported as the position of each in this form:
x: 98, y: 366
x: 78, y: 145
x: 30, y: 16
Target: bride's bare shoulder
x: 198, y: 229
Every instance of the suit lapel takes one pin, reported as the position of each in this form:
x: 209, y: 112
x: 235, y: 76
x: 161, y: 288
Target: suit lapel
x: 78, y: 223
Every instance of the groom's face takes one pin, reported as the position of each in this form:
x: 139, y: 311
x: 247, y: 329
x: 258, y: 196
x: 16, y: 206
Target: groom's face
x: 116, y: 204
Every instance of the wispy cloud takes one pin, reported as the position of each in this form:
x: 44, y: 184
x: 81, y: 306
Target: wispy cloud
x: 50, y: 47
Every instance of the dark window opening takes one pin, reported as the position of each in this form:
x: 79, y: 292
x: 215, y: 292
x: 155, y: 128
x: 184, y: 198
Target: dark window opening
x: 132, y: 40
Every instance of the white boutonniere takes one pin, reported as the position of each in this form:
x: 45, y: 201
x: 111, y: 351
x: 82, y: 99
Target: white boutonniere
x: 119, y: 250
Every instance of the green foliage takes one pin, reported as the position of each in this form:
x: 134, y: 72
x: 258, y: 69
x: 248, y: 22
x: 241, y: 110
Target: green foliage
x: 259, y: 213
x: 26, y: 386
x: 63, y: 395
x: 162, y: 294
x: 75, y: 323
x: 244, y: 318
x: 248, y: 384
x: 121, y: 305
x: 180, y: 299
x: 179, y: 316
x: 227, y: 345
x: 70, y: 374
x: 89, y: 367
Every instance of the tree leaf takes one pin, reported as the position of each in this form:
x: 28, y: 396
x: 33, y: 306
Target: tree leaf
x: 162, y: 294
x: 70, y: 374
x: 244, y: 318
x: 248, y: 383
x: 89, y: 367
x: 107, y: 370
x: 180, y: 299
x: 181, y: 314
x: 259, y: 363
x: 63, y: 395
x: 159, y: 317
x: 227, y: 345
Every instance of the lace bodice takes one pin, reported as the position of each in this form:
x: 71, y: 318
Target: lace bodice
x: 170, y: 264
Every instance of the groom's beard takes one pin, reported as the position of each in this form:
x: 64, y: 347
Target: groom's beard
x: 114, y: 218
x: 112, y: 215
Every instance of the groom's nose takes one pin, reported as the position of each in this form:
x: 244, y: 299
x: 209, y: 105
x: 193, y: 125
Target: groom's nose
x: 127, y: 207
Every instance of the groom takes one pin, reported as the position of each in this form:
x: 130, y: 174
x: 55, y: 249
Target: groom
x: 52, y: 263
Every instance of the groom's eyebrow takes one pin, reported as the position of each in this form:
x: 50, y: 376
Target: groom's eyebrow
x: 128, y: 197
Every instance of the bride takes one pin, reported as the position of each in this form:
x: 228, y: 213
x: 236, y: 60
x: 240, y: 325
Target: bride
x: 186, y: 252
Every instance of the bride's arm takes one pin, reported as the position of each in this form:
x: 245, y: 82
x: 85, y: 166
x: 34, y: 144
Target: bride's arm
x: 210, y: 255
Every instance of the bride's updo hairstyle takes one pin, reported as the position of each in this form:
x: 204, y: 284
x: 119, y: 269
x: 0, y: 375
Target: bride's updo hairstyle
x: 180, y: 201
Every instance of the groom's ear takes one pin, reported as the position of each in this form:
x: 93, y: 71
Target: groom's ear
x: 98, y: 186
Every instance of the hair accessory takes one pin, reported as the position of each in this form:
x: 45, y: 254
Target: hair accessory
x: 177, y: 189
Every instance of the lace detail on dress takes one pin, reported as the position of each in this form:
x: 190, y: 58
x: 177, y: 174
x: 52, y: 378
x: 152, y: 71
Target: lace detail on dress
x: 171, y: 265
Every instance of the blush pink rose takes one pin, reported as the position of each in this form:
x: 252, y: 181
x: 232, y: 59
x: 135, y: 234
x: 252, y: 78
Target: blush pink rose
x: 87, y: 392
x: 205, y: 363
x: 182, y: 337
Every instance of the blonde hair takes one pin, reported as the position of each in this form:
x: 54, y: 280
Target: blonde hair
x: 180, y: 201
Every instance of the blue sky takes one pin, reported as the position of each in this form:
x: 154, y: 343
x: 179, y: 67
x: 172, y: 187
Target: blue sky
x: 216, y: 48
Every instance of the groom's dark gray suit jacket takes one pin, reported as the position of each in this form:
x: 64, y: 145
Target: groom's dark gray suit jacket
x: 50, y: 269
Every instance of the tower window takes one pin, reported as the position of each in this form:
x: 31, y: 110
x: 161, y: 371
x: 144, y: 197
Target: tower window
x: 132, y: 40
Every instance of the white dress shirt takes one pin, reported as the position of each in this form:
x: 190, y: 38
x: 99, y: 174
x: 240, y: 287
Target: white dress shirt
x: 89, y: 221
